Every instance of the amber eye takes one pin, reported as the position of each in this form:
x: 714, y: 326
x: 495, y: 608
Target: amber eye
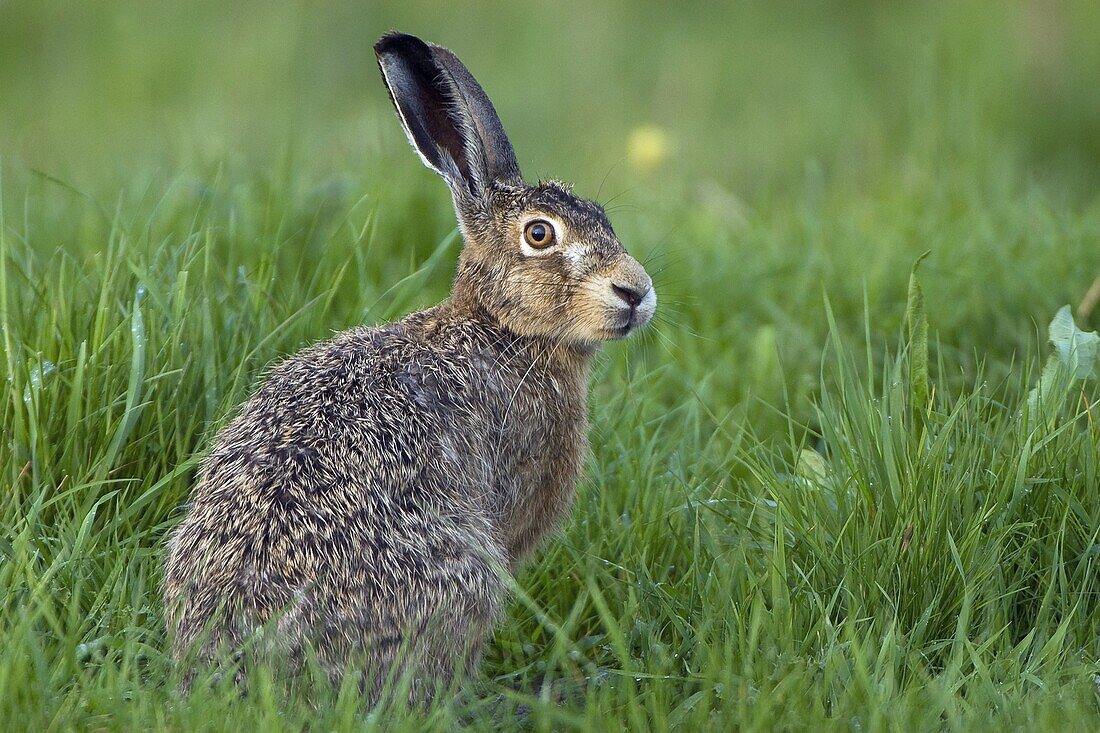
x: 538, y: 233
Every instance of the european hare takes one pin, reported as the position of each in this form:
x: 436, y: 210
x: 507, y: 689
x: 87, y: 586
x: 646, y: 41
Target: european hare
x: 363, y: 506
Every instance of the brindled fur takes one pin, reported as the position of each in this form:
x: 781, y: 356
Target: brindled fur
x: 367, y: 501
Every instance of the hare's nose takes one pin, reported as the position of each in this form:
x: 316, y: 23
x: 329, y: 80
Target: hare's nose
x: 630, y: 294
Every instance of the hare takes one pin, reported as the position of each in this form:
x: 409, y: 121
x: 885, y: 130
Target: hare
x: 364, y: 507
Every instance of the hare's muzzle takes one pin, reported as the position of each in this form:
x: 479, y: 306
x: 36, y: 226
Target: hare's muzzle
x: 631, y: 298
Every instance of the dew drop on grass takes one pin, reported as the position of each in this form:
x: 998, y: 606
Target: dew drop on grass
x: 40, y: 373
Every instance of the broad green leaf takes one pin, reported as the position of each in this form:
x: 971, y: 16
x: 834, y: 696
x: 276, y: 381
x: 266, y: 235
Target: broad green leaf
x: 1075, y: 358
x: 811, y: 466
x: 1077, y: 350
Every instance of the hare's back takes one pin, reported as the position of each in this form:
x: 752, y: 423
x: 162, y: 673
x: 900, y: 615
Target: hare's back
x: 336, y: 467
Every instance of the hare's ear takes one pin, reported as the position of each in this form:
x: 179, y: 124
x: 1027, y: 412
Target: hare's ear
x: 447, y: 116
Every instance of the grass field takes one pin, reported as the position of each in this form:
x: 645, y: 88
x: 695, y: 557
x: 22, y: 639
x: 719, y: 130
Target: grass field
x: 785, y: 525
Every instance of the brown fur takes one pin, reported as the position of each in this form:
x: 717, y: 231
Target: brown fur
x: 367, y: 501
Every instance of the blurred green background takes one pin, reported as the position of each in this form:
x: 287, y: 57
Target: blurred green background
x: 749, y: 92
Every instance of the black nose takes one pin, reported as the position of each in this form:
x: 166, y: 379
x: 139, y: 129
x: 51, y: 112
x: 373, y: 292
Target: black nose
x: 630, y: 295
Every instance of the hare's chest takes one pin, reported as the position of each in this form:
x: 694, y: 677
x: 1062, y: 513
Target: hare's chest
x: 540, y: 440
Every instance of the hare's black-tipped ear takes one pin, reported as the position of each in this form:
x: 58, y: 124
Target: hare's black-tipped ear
x: 449, y: 120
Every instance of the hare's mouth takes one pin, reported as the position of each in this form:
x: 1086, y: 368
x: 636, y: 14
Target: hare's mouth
x: 619, y: 332
x: 631, y: 321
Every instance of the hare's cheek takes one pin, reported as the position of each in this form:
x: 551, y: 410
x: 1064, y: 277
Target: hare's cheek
x: 578, y: 260
x: 588, y: 309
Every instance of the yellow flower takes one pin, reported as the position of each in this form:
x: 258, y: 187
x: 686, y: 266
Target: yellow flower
x: 647, y: 148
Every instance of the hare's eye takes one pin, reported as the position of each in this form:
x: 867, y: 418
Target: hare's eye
x: 539, y: 233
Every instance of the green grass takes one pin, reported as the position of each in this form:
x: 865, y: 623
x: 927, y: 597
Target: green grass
x: 780, y: 528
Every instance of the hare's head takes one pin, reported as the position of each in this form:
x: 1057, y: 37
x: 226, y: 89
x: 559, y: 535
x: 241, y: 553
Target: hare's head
x: 540, y: 260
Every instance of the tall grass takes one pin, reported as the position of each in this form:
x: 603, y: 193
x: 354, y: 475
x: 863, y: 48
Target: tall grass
x: 842, y: 555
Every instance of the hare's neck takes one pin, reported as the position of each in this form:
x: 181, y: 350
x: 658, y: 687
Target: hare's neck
x: 465, y: 308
